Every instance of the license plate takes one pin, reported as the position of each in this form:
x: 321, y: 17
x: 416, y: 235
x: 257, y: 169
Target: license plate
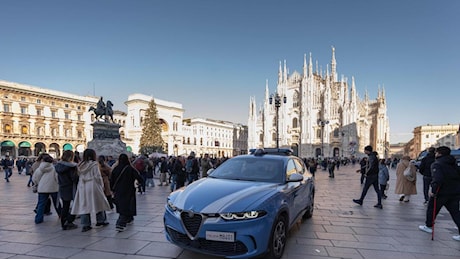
x: 220, y: 236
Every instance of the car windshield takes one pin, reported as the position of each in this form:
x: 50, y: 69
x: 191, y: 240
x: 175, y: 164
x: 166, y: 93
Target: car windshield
x: 251, y: 169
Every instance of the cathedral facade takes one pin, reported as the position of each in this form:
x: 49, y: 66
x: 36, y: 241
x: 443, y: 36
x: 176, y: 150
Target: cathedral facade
x: 316, y: 114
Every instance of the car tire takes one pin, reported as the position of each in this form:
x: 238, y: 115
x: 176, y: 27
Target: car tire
x: 309, y: 212
x: 278, y: 238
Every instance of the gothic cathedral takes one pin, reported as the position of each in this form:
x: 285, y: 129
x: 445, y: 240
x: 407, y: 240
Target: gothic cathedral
x: 317, y: 115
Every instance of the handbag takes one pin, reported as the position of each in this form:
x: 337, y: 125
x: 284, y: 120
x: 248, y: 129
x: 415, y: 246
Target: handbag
x: 408, y: 174
x: 35, y: 188
x: 114, y: 197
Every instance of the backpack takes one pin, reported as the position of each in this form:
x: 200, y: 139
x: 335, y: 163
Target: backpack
x: 139, y: 165
x: 189, y: 166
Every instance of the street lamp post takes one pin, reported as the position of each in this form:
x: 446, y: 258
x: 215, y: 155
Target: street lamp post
x: 322, y: 123
x: 277, y: 98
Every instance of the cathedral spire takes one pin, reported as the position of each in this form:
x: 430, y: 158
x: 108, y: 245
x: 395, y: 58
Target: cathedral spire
x: 285, y: 72
x: 333, y: 65
x: 280, y: 75
x: 267, y: 93
x: 317, y: 71
x: 310, y: 67
x: 304, y: 65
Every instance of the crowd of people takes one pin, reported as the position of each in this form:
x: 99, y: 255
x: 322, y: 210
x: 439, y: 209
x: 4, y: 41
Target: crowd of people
x: 78, y: 186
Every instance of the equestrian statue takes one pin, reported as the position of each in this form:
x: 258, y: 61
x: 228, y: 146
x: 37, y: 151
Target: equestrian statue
x: 103, y: 109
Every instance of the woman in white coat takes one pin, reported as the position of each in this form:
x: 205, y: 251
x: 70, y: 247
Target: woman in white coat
x: 46, y: 179
x: 90, y: 197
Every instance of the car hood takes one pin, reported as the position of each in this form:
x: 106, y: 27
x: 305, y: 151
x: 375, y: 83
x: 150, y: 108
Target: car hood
x: 219, y: 195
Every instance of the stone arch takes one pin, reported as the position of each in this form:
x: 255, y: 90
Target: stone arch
x: 54, y: 150
x: 164, y: 125
x: 39, y: 148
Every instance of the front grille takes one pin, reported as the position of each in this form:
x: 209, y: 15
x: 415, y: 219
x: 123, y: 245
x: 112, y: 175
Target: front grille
x: 192, y: 222
x: 211, y: 247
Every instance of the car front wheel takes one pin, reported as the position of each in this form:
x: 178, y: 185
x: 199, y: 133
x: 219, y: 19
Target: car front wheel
x: 278, y: 237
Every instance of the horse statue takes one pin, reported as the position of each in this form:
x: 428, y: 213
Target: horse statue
x: 108, y: 111
x: 99, y: 112
x: 103, y: 110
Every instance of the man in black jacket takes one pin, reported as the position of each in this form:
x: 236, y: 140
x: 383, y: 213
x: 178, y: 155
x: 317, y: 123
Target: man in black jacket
x: 425, y: 170
x: 445, y: 188
x: 372, y: 177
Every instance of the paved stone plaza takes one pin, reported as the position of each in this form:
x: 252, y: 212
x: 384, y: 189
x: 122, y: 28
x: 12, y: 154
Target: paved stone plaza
x: 338, y: 229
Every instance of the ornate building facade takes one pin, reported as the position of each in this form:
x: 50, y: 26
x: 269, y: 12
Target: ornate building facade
x: 182, y: 135
x: 433, y: 135
x: 316, y: 114
x: 35, y: 120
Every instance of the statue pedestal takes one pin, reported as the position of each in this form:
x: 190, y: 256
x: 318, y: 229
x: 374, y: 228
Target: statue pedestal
x: 106, y: 140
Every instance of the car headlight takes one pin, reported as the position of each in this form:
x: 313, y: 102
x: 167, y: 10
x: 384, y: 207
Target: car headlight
x: 243, y: 215
x: 171, y: 206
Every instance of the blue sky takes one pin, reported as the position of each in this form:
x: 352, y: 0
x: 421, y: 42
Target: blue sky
x: 212, y: 56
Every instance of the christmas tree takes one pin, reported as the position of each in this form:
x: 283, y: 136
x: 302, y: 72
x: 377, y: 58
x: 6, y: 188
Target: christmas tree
x: 151, y: 140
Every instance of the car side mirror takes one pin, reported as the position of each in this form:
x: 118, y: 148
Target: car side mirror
x: 210, y: 171
x: 295, y: 177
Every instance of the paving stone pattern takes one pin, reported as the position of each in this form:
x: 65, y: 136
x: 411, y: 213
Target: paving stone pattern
x: 339, y: 228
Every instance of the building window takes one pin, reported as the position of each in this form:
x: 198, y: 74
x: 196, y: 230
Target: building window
x: 53, y: 103
x: 274, y: 136
x: 53, y: 114
x: 53, y: 132
x: 6, y: 108
x: 39, y: 101
x: 24, y: 130
x: 295, y: 99
x: 294, y: 123
x: 24, y: 110
x: 67, y: 133
x: 39, y: 112
x: 66, y: 115
x: 336, y: 132
x: 79, y: 134
x: 7, y: 129
x: 318, y: 133
x: 66, y: 105
x: 23, y: 98
x: 79, y: 117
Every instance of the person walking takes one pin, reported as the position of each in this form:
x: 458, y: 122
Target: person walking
x: 206, y: 165
x: 7, y: 165
x: 425, y: 170
x: 106, y: 173
x: 445, y: 189
x: 46, y: 179
x: 124, y: 175
x: 192, y: 168
x: 90, y: 195
x: 179, y: 172
x: 67, y: 176
x: 405, y: 187
x: 384, y: 177
x: 372, y: 177
x: 163, y: 171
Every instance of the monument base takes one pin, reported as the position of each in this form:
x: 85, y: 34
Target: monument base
x: 106, y: 140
